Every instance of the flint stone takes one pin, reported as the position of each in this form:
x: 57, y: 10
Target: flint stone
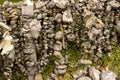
x: 81, y: 0
x: 108, y: 75
x: 39, y: 16
x: 83, y: 61
x: 58, y: 18
x: 58, y: 54
x: 60, y: 62
x: 38, y: 77
x: 61, y: 67
x: 5, y: 4
x: 78, y: 74
x: 108, y: 8
x: 61, y: 3
x: 118, y: 27
x: 40, y: 4
x: 35, y: 28
x: 84, y: 78
x: 58, y: 35
x: 58, y: 47
x: 28, y: 9
x: 51, y: 35
x: 67, y: 16
x: 61, y: 71
x: 94, y: 73
x: 115, y: 4
x: 71, y: 37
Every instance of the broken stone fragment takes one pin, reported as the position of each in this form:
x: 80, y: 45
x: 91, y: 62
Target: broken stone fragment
x: 28, y: 8
x: 78, y: 74
x: 58, y: 46
x: 62, y: 71
x: 38, y: 76
x: 108, y: 75
x: 58, y: 35
x: 61, y: 3
x: 58, y: 18
x: 83, y: 61
x: 58, y: 54
x: 94, y: 73
x: 61, y: 67
x: 35, y: 28
x: 7, y: 45
x: 114, y: 4
x: 40, y: 16
x: 5, y: 26
x: 84, y: 78
x: 40, y: 4
x: 118, y: 26
x: 67, y: 16
x: 71, y: 37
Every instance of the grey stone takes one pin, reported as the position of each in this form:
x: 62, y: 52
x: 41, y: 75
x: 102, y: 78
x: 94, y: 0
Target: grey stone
x: 71, y: 37
x: 67, y: 16
x: 61, y: 67
x: 61, y: 3
x: 58, y: 18
x: 84, y: 78
x: 58, y: 35
x: 39, y: 16
x: 83, y: 61
x: 58, y: 46
x: 108, y: 75
x: 62, y: 71
x: 94, y: 73
x: 114, y: 4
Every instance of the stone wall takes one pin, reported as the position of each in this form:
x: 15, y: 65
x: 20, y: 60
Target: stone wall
x: 33, y: 31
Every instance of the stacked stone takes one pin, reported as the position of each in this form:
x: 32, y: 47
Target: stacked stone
x: 93, y: 73
x: 47, y: 33
x: 60, y: 65
x: 58, y: 24
x: 7, y: 47
x: 97, y: 34
x: 29, y: 51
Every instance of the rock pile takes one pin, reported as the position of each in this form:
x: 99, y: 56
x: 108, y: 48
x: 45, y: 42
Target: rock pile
x: 94, y: 74
x: 44, y: 28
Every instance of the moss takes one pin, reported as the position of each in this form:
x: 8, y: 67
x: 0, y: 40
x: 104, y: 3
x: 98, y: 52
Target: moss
x: 49, y: 67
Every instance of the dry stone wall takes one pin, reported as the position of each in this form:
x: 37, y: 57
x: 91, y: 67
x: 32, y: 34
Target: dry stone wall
x: 33, y: 31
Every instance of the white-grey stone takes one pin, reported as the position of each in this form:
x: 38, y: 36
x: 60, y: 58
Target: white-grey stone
x: 62, y: 71
x: 58, y: 46
x: 28, y: 9
x: 39, y: 16
x: 58, y: 54
x: 84, y: 61
x: 35, y: 28
x: 67, y: 16
x: 58, y: 18
x: 71, y: 37
x: 114, y: 4
x: 61, y: 66
x: 118, y: 26
x: 58, y: 35
x: 108, y: 75
x: 94, y: 73
x: 61, y: 3
x: 51, y: 35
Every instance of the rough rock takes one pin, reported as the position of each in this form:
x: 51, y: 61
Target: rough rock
x: 84, y: 78
x: 58, y: 35
x: 94, y: 73
x: 67, y: 16
x: 108, y: 75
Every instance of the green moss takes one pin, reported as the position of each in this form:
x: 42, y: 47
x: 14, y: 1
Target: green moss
x: 49, y: 67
